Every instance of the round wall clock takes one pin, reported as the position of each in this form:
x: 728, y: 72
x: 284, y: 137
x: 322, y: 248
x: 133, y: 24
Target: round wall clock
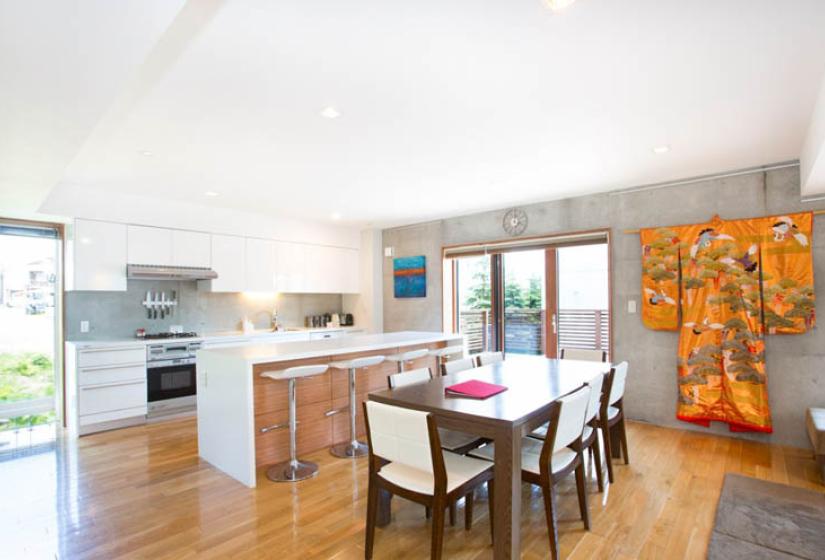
x: 515, y: 221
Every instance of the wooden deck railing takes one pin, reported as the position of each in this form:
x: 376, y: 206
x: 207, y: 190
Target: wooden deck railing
x: 524, y: 332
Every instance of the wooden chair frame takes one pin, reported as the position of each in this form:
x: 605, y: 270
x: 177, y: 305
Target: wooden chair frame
x: 437, y: 502
x: 608, y: 425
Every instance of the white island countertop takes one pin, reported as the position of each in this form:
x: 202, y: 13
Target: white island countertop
x: 257, y: 353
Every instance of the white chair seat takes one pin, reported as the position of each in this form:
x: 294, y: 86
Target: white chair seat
x: 612, y: 411
x: 460, y: 469
x: 295, y: 372
x: 530, y: 455
x: 452, y: 439
x: 541, y: 432
x: 357, y: 363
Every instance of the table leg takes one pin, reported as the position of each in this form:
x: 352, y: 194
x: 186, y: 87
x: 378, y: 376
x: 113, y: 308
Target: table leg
x: 507, y: 495
x: 384, y: 508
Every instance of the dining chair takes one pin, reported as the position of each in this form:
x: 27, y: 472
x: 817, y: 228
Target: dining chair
x: 454, y: 366
x: 445, y: 354
x: 451, y: 440
x: 590, y: 435
x: 587, y: 355
x: 487, y: 358
x: 406, y: 460
x: 611, y: 415
x: 545, y: 463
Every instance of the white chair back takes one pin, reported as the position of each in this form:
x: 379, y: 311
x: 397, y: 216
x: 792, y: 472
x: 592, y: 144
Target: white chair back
x: 454, y: 366
x: 400, y: 435
x: 571, y: 417
x: 409, y: 377
x: 594, y: 403
x: 583, y: 354
x: 619, y: 378
x: 487, y: 358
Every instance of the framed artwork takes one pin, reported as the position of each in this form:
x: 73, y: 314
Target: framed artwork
x: 410, y: 277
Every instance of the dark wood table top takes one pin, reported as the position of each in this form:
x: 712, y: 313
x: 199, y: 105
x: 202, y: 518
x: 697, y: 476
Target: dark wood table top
x: 533, y: 383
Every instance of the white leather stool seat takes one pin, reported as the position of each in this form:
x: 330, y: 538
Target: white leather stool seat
x: 447, y: 351
x: 295, y: 372
x: 409, y: 355
x: 357, y: 363
x: 460, y: 469
x: 530, y: 455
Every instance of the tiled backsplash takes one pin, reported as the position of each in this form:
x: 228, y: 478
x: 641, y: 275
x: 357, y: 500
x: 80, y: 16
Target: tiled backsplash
x: 119, y: 314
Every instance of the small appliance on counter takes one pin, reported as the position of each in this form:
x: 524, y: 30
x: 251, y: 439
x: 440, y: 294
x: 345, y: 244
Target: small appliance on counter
x: 347, y: 320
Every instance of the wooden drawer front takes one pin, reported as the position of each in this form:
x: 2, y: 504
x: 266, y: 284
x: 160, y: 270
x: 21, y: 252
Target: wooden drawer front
x: 106, y: 375
x: 106, y: 398
x: 111, y: 356
x: 91, y: 419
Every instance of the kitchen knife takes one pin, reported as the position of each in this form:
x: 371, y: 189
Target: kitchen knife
x: 155, y: 305
x: 163, y: 305
x: 147, y: 304
x: 174, y: 302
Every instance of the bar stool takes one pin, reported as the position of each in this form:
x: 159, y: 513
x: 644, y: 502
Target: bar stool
x: 294, y: 469
x: 408, y: 356
x: 353, y: 448
x: 443, y: 355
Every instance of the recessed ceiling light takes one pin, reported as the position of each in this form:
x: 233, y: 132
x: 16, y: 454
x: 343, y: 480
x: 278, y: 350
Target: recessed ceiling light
x: 661, y: 149
x: 145, y: 153
x: 211, y: 193
x: 335, y: 216
x: 330, y: 113
x: 558, y: 5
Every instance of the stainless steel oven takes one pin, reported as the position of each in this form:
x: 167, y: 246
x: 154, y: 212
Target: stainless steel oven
x: 171, y: 380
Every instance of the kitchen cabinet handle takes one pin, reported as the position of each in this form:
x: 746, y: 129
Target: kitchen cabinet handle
x: 124, y: 366
x: 107, y: 385
x: 108, y: 349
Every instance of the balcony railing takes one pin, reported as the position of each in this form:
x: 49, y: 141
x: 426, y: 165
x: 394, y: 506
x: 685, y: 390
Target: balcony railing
x: 524, y: 330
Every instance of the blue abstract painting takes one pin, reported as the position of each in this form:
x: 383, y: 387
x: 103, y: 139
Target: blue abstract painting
x: 410, y: 277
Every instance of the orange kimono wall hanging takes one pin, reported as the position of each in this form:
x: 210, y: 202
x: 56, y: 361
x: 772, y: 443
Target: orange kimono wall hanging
x: 724, y: 285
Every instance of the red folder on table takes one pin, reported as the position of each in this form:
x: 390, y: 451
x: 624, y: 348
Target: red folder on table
x: 474, y: 389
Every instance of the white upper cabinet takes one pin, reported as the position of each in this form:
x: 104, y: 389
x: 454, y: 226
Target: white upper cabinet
x: 191, y: 248
x: 290, y: 267
x: 97, y: 256
x: 150, y: 245
x: 260, y: 265
x: 229, y: 261
x: 331, y: 270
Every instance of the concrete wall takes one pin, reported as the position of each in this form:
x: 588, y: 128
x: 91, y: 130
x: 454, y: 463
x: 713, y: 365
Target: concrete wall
x: 118, y: 314
x: 795, y: 363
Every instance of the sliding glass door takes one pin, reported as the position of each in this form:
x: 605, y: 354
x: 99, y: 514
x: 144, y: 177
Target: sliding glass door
x: 533, y: 301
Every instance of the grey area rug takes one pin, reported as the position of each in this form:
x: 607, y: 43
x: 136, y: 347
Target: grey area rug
x: 756, y: 519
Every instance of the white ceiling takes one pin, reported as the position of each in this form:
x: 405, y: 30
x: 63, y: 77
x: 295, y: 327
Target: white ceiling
x: 447, y: 107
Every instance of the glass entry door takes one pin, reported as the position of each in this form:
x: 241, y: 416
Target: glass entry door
x: 29, y: 288
x: 524, y: 302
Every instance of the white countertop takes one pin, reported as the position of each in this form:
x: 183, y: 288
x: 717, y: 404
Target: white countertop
x: 208, y: 337
x: 256, y: 353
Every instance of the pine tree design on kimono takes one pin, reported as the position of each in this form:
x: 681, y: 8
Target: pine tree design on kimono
x: 787, y: 274
x: 721, y: 349
x: 660, y: 278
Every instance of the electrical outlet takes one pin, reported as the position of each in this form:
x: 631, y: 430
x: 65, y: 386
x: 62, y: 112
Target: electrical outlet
x: 631, y: 306
x: 84, y: 326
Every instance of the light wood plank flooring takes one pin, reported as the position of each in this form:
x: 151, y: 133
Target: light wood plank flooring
x: 143, y: 493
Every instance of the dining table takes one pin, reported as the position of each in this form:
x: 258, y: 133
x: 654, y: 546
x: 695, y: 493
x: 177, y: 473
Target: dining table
x: 533, y: 383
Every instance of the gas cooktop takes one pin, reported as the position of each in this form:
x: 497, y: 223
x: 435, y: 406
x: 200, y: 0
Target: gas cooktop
x: 166, y: 335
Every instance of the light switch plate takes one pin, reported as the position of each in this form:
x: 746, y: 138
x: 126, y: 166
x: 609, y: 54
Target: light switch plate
x: 631, y: 306
x: 388, y: 251
x: 84, y: 326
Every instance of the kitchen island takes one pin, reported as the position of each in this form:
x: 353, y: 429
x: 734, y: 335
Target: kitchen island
x: 235, y: 403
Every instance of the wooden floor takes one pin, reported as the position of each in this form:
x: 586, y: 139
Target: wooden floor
x: 143, y: 493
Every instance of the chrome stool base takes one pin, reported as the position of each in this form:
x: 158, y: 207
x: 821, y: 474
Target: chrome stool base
x: 351, y: 450
x: 291, y: 471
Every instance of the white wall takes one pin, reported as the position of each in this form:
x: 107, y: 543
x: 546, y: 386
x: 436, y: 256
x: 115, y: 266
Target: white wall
x: 812, y: 160
x: 368, y: 306
x: 72, y: 201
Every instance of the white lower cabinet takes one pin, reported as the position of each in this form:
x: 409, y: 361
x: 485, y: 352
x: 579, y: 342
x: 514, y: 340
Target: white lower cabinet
x: 105, y: 386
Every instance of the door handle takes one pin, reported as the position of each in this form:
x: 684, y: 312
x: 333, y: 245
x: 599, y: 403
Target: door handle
x: 555, y: 324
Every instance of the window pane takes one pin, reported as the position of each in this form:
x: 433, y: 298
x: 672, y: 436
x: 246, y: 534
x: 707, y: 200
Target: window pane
x: 473, y: 302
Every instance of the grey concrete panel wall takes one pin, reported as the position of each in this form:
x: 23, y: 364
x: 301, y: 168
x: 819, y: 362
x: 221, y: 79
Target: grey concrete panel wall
x: 795, y: 363
x: 119, y: 314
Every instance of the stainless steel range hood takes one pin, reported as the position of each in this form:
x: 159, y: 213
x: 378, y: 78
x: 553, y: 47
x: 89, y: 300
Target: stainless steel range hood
x: 158, y: 272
